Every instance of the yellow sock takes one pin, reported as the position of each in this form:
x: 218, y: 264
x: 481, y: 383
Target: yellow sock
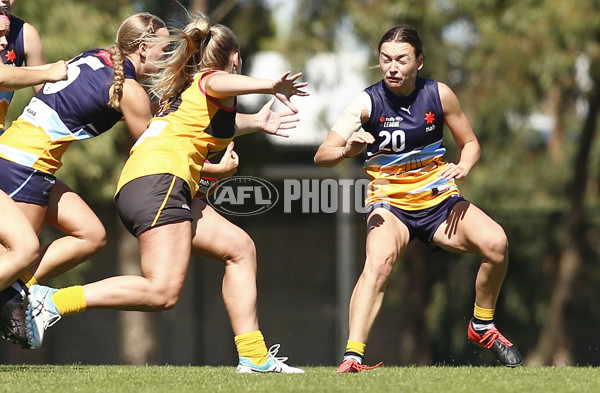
x: 483, y: 314
x: 70, y: 300
x: 252, y: 345
x: 356, y: 347
x: 28, y: 279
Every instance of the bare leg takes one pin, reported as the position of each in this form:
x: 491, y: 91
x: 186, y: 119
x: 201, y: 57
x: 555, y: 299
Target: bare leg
x: 165, y: 255
x: 19, y: 242
x: 470, y: 230
x: 85, y: 233
x: 217, y: 238
x: 387, y: 239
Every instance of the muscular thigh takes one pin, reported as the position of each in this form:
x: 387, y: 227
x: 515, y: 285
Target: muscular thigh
x: 14, y: 227
x: 387, y: 236
x: 466, y: 229
x: 68, y: 212
x: 165, y: 252
x: 214, y: 236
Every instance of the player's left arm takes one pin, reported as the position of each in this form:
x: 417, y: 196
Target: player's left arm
x: 135, y: 106
x: 34, y: 52
x: 462, y: 133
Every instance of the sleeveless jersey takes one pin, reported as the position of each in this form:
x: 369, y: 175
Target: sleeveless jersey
x: 63, y: 112
x: 181, y: 136
x: 405, y: 160
x: 12, y: 55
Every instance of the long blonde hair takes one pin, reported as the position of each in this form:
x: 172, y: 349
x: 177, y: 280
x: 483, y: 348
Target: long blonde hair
x: 134, y: 30
x: 198, y: 47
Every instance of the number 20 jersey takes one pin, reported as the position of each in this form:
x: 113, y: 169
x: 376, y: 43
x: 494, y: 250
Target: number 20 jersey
x: 63, y: 112
x: 405, y: 160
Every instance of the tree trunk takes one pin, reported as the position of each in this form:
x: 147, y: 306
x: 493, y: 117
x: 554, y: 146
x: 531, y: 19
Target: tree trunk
x: 553, y: 347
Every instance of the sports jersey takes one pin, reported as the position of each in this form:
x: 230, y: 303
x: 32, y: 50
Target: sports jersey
x: 405, y: 160
x: 63, y: 112
x: 12, y: 55
x: 181, y: 136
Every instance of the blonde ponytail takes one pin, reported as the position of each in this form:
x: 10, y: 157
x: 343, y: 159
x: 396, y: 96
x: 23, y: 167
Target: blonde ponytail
x: 116, y: 52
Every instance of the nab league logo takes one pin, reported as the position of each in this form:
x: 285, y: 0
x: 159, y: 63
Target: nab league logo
x: 243, y: 196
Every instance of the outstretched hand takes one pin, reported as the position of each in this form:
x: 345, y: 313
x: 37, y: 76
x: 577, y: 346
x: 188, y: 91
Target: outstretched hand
x: 274, y: 122
x: 286, y: 86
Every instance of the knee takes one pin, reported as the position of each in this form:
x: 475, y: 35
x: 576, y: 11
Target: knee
x: 378, y: 268
x: 241, y: 248
x: 27, y: 251
x: 164, y: 298
x: 94, y: 238
x: 496, y: 248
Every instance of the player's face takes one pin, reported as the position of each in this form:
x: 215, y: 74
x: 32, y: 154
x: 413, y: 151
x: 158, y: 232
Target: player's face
x: 399, y: 66
x: 156, y: 52
x: 4, y: 28
x: 8, y: 4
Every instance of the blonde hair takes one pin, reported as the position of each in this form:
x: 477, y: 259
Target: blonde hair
x: 134, y: 30
x: 198, y: 47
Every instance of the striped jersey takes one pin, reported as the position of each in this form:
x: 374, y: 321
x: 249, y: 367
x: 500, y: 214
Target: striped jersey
x: 181, y: 136
x: 406, y: 158
x: 63, y: 112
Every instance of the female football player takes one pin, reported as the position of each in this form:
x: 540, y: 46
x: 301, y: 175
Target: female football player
x: 198, y: 87
x: 413, y: 191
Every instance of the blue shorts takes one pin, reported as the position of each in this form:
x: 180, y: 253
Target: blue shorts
x: 421, y: 224
x: 24, y: 184
x: 153, y: 200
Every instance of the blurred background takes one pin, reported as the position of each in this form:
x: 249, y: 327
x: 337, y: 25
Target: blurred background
x: 527, y: 75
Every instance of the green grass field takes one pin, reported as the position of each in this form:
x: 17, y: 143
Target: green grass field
x: 171, y: 379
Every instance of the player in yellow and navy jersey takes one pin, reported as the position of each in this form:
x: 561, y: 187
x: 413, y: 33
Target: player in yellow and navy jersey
x: 198, y: 84
x: 18, y: 239
x: 102, y: 88
x: 413, y: 192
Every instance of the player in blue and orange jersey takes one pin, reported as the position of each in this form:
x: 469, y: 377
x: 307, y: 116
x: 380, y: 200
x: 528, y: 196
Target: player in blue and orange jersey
x: 18, y: 240
x: 198, y: 86
x: 84, y: 233
x: 413, y: 191
x: 103, y: 87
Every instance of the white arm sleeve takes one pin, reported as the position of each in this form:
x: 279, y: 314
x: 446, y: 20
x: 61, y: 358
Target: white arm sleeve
x: 350, y: 120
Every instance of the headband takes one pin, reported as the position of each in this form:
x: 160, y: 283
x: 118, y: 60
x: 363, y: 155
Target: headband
x: 4, y: 17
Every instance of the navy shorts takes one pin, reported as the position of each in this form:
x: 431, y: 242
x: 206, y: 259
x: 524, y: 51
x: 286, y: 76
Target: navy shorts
x: 24, y: 184
x: 421, y: 224
x: 153, y: 200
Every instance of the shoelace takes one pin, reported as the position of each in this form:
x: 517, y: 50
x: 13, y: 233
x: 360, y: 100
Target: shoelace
x: 490, y: 337
x: 38, y: 309
x: 273, y: 351
x: 354, y: 365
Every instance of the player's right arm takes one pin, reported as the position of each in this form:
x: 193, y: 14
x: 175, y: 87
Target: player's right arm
x: 346, y: 138
x: 13, y: 78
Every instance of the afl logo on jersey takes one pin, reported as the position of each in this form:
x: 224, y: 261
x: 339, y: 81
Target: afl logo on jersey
x: 243, y: 196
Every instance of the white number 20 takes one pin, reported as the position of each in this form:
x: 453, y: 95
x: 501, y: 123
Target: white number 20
x: 395, y: 138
